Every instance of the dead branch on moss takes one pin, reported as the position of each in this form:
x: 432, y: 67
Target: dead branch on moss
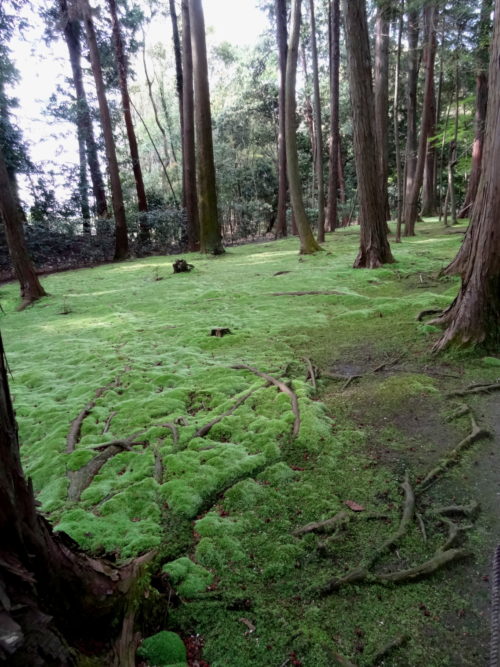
x: 387, y: 649
x: 476, y: 389
x: 282, y: 386
x: 311, y: 374
x: 428, y: 313
x: 76, y: 425
x: 205, y: 429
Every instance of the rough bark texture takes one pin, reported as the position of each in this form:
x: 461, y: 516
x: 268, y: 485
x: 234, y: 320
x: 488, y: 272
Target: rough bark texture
x: 399, y: 175
x: 429, y: 203
x: 411, y: 104
x: 474, y: 316
x: 334, y: 158
x: 121, y: 237
x: 179, y: 82
x: 188, y: 140
x: 411, y: 203
x: 308, y: 243
x: 374, y: 247
x: 318, y: 153
x: 71, y: 30
x: 31, y: 289
x: 281, y: 36
x: 210, y: 230
x: 381, y: 88
x: 482, y: 54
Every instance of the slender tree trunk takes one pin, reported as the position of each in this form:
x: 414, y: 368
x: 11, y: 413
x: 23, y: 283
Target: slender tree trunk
x: 399, y: 174
x: 482, y: 54
x: 411, y: 105
x: 411, y: 203
x: 374, y: 247
x: 474, y: 316
x: 210, y: 229
x: 179, y: 81
x: 318, y: 129
x: 334, y: 157
x: 188, y: 135
x: 31, y: 289
x: 121, y: 237
x: 429, y: 182
x: 83, y: 183
x: 281, y: 36
x: 71, y: 30
x: 308, y: 243
x: 381, y: 89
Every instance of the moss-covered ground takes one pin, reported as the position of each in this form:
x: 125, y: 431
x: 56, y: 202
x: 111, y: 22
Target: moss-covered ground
x: 132, y: 342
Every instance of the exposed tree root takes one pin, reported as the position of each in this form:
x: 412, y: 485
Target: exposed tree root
x: 282, y: 386
x: 476, y: 389
x: 124, y: 444
x: 108, y: 421
x: 391, y: 646
x: 205, y: 429
x: 441, y: 559
x: 80, y: 479
x: 427, y: 313
x: 175, y: 431
x: 159, y: 470
x: 348, y: 379
x: 329, y: 525
x: 313, y: 293
x: 421, y: 524
x: 466, y: 510
x: 462, y: 410
x: 76, y: 425
x: 311, y: 374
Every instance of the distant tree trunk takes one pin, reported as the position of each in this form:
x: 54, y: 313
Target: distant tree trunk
x: 318, y: 129
x: 429, y: 203
x: 281, y: 36
x: 474, y: 316
x: 482, y: 54
x: 374, y: 248
x: 83, y: 183
x: 71, y: 30
x: 122, y: 66
x: 399, y: 175
x: 210, y: 229
x: 411, y: 105
x: 31, y: 289
x: 121, y: 237
x: 179, y: 80
x: 308, y: 243
x: 188, y: 138
x: 411, y: 203
x: 381, y: 88
x: 334, y: 159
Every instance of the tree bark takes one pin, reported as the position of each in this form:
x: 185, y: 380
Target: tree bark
x: 30, y: 286
x: 210, y: 229
x: 318, y: 129
x: 121, y: 236
x: 71, y: 30
x: 429, y: 203
x: 399, y: 175
x: 179, y: 81
x: 374, y: 247
x: 308, y: 243
x: 334, y: 157
x: 411, y: 105
x: 381, y: 88
x: 474, y: 316
x: 411, y: 203
x: 83, y: 183
x: 281, y: 36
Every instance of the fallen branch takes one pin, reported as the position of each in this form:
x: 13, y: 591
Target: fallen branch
x: 282, y: 387
x: 201, y: 432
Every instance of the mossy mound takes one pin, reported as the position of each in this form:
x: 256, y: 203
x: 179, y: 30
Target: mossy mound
x: 165, y: 649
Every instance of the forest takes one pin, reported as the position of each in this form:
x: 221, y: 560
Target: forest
x: 250, y: 333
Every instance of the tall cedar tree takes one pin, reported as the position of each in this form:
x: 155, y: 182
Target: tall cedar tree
x: 210, y: 229
x: 122, y: 67
x: 474, y: 316
x: 374, y: 246
x: 482, y: 54
x: 281, y: 37
x: 415, y: 185
x: 318, y: 153
x: 334, y: 160
x: 308, y: 243
x: 179, y: 83
x: 381, y: 88
x: 71, y: 30
x: 188, y: 135
x: 121, y: 236
x: 411, y: 99
x: 10, y: 213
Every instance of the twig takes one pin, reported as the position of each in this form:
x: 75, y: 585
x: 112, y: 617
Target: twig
x: 201, y: 432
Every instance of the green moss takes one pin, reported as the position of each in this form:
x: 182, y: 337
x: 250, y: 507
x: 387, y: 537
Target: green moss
x: 165, y: 649
x: 188, y: 577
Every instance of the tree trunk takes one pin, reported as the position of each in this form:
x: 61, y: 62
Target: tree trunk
x: 381, y: 88
x: 429, y: 203
x: 31, y: 289
x: 411, y: 203
x: 281, y: 36
x: 474, y: 316
x: 121, y: 237
x: 83, y: 183
x: 179, y: 82
x: 399, y: 175
x: 210, y: 229
x: 122, y: 66
x: 308, y: 243
x: 318, y: 129
x: 334, y: 158
x: 71, y: 31
x: 411, y: 105
x: 188, y: 140
x: 482, y: 54
x: 374, y: 248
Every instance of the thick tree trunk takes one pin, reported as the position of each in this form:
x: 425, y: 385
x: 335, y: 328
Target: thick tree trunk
x: 411, y: 202
x: 482, y: 54
x: 179, y: 83
x: 31, y: 289
x: 188, y: 139
x: 429, y: 203
x: 318, y: 155
x: 71, y: 30
x: 281, y: 36
x: 411, y: 105
x: 399, y: 175
x: 210, y: 229
x: 334, y: 159
x: 308, y: 243
x: 381, y: 89
x: 474, y: 316
x: 374, y: 248
x: 121, y: 236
